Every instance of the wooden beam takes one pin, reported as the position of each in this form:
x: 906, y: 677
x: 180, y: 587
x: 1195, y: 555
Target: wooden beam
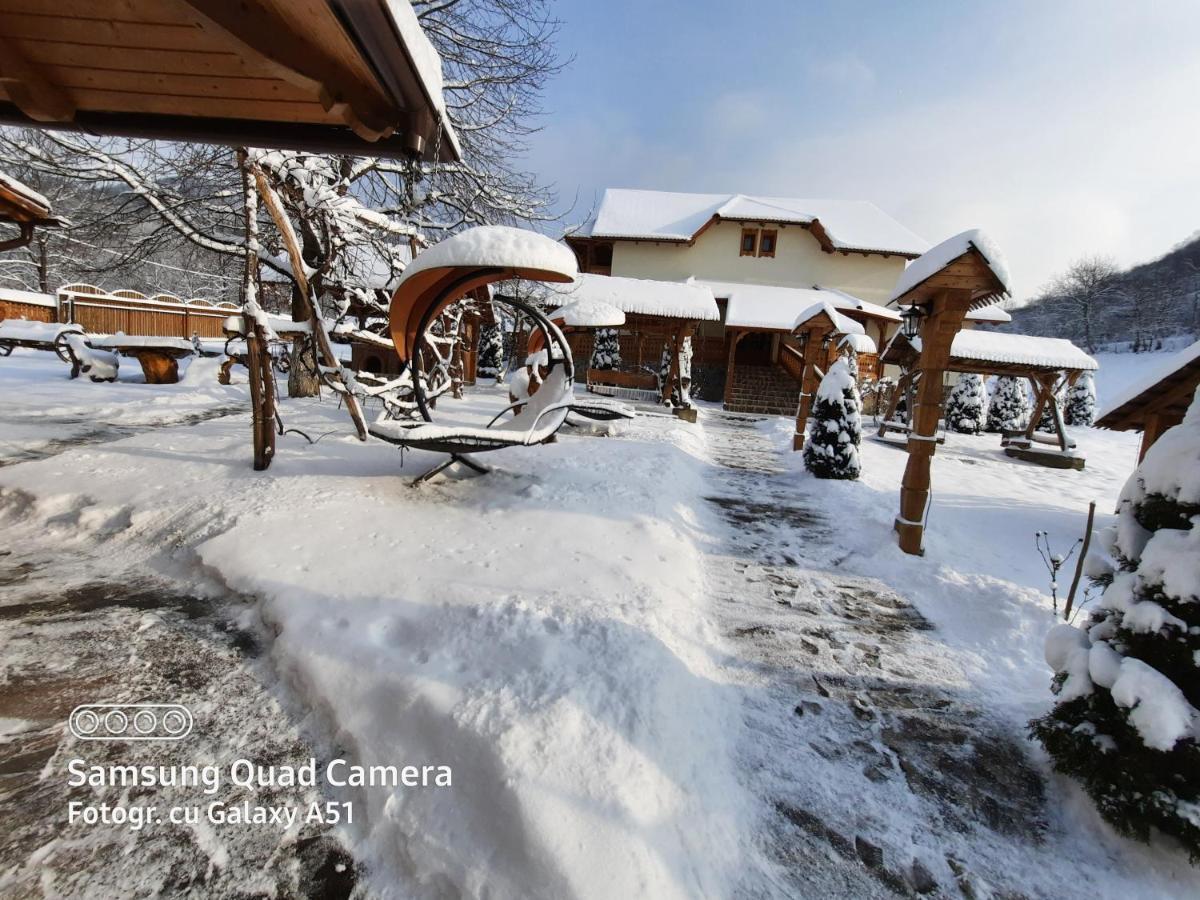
x: 29, y: 89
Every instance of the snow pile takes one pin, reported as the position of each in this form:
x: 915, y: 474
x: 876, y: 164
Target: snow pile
x: 497, y: 246
x: 859, y: 343
x: 640, y: 296
x: 930, y: 263
x: 27, y: 330
x: 97, y: 365
x: 28, y: 297
x: 588, y: 312
x: 1019, y: 349
x: 841, y: 323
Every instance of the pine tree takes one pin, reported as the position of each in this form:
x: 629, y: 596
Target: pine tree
x: 606, y: 349
x: 1081, y: 401
x: 491, y: 351
x: 1128, y: 681
x: 1009, y: 407
x: 965, y: 408
x: 836, y: 432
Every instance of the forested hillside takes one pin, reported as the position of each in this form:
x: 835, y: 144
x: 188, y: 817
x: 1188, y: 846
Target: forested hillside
x: 1094, y: 303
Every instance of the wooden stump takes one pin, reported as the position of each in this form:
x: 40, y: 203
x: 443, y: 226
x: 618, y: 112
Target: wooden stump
x: 158, y: 367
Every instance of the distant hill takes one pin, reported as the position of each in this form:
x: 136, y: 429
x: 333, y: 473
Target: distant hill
x: 1139, y: 307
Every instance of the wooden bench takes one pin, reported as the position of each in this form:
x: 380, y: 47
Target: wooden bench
x: 159, y: 356
x: 36, y: 336
x: 643, y: 381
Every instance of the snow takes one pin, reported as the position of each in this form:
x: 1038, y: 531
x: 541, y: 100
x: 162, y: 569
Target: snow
x: 671, y: 216
x: 1019, y: 349
x: 841, y: 323
x: 29, y: 297
x: 488, y: 246
x: 640, y: 296
x: 994, y: 314
x: 123, y: 340
x: 936, y: 259
x: 28, y: 330
x: 774, y: 307
x: 1151, y: 376
x: 557, y: 632
x: 585, y: 312
x: 836, y: 382
x: 1160, y: 713
x: 859, y: 343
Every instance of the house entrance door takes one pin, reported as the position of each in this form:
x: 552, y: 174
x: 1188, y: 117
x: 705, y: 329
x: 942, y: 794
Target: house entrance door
x: 754, y: 350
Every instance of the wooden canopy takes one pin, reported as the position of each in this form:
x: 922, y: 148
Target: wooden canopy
x: 453, y: 268
x: 25, y: 208
x: 976, y: 357
x: 1158, y: 403
x: 350, y: 76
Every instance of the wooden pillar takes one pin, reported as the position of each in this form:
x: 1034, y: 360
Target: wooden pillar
x: 730, y: 364
x: 258, y: 361
x: 942, y: 322
x: 809, y: 382
x: 1043, y: 393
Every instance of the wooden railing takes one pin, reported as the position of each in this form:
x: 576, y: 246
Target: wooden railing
x: 792, y: 361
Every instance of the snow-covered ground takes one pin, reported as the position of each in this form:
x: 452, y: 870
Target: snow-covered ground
x: 660, y: 663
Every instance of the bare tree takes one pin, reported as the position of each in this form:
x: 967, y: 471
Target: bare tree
x: 1084, y: 288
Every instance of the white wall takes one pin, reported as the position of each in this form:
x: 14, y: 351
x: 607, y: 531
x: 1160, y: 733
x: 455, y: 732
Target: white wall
x: 798, y: 262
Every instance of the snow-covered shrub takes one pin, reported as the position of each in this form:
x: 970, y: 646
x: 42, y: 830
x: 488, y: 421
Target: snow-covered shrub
x: 680, y: 388
x: 836, y: 432
x: 1128, y: 681
x: 851, y: 357
x: 606, y: 351
x: 965, y: 408
x: 1009, y: 406
x: 491, y: 351
x: 1081, y: 401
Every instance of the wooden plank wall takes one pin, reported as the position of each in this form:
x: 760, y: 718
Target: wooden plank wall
x: 108, y: 314
x: 34, y: 312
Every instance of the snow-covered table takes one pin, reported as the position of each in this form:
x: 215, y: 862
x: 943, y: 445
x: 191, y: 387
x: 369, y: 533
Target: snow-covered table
x: 158, y: 356
x: 34, y: 335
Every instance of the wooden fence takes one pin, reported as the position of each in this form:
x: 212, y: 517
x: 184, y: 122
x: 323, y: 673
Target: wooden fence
x: 131, y: 312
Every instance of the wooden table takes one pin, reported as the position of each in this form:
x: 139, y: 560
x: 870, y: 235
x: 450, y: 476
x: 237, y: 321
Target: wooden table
x: 158, y: 356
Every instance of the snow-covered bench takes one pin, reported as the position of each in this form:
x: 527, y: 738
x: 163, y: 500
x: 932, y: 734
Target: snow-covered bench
x: 35, y: 336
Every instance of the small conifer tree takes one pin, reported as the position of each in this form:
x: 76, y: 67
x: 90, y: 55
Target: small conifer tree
x: 965, y: 408
x: 491, y: 351
x: 1081, y: 401
x: 606, y: 349
x: 836, y: 430
x: 1128, y: 680
x: 1009, y: 406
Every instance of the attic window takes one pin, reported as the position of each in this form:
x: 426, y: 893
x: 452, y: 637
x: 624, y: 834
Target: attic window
x: 749, y: 242
x: 766, y: 242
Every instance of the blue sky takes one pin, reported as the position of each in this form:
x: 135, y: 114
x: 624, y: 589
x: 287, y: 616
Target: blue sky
x: 1063, y: 128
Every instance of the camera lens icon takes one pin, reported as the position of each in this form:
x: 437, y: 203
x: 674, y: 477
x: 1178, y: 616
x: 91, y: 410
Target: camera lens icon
x: 131, y: 722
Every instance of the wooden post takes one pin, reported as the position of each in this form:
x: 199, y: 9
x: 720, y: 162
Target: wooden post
x: 813, y: 339
x: 943, y: 321
x: 317, y: 324
x: 731, y: 364
x: 262, y: 385
x: 1087, y: 541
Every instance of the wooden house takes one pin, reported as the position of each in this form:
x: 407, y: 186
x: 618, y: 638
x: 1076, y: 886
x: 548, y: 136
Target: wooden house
x: 763, y: 260
x: 1157, y: 401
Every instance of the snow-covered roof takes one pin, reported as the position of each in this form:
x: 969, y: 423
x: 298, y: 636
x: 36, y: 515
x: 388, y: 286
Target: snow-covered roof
x: 643, y: 296
x: 24, y: 191
x: 1148, y: 382
x: 776, y: 307
x: 991, y: 314
x: 588, y: 312
x: 30, y: 297
x: 670, y: 216
x: 496, y: 246
x: 933, y: 261
x: 840, y: 322
x: 1017, y: 349
x: 859, y: 343
x: 425, y: 60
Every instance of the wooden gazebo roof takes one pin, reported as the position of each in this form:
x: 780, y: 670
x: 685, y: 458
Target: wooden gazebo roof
x: 966, y: 262
x: 1166, y: 393
x: 996, y: 353
x: 26, y: 208
x: 352, y: 76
